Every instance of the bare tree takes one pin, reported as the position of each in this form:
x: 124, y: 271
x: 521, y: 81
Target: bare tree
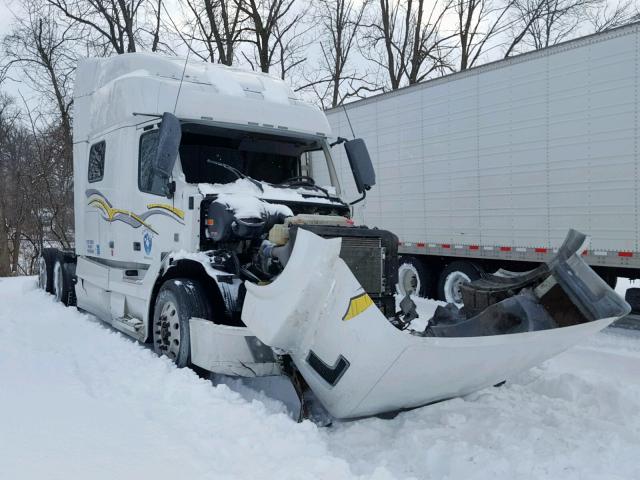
x: 338, y: 23
x: 555, y: 20
x: 219, y: 26
x: 609, y: 15
x: 38, y: 53
x: 274, y: 30
x: 118, y: 25
x: 406, y: 40
x: 42, y: 54
x: 8, y: 116
x: 479, y: 22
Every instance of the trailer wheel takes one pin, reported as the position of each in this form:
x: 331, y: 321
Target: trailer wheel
x: 454, y: 275
x: 414, y: 278
x: 632, y: 297
x: 45, y: 269
x: 63, y: 288
x: 178, y: 300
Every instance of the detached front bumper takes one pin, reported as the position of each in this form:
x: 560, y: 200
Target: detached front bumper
x: 357, y: 363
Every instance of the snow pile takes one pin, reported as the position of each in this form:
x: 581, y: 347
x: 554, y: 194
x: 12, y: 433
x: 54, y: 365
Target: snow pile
x: 268, y: 192
x: 248, y: 206
x: 576, y: 417
x: 78, y: 400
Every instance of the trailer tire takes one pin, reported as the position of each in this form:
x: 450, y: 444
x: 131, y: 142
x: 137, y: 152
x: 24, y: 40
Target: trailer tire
x: 178, y: 300
x: 632, y: 297
x: 45, y: 269
x: 414, y: 278
x: 452, y: 276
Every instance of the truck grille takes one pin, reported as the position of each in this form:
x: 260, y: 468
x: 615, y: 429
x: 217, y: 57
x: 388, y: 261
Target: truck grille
x: 372, y: 257
x: 365, y: 258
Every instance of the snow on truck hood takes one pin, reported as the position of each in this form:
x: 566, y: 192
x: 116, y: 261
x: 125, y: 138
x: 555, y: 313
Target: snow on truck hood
x: 245, y: 195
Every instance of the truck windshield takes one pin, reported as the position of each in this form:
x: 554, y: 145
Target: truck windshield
x: 210, y: 155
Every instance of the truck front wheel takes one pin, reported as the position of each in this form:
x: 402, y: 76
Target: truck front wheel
x: 178, y: 300
x: 454, y: 275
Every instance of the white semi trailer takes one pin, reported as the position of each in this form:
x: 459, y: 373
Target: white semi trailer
x: 488, y: 168
x: 200, y: 231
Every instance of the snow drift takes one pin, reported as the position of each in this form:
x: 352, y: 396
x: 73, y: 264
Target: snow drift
x: 80, y: 401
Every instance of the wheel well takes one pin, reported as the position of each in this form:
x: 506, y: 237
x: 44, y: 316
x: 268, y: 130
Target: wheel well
x: 195, y: 271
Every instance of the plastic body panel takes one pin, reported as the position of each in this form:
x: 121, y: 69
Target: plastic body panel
x: 357, y: 363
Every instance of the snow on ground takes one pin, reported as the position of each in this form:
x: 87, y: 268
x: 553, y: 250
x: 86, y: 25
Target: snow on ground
x: 78, y: 400
x: 625, y: 283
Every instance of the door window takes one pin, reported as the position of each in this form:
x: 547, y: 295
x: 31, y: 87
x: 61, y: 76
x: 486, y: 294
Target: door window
x: 148, y: 180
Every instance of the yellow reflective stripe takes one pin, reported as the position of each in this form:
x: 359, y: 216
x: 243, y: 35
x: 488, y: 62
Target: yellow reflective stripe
x: 111, y: 212
x: 100, y: 203
x: 357, y: 305
x: 164, y: 206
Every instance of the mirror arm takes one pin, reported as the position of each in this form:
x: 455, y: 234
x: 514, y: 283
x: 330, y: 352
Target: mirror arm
x: 171, y: 189
x: 338, y: 141
x: 364, y: 195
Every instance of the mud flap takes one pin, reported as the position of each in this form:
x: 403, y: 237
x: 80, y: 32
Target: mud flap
x: 357, y: 363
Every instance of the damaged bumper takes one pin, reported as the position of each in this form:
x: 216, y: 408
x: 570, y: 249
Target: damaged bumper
x: 357, y: 363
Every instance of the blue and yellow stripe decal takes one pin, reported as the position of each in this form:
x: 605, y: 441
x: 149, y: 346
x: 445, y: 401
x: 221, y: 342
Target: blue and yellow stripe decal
x: 111, y: 214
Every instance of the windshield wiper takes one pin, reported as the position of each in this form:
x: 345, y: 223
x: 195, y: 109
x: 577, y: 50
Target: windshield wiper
x: 304, y: 181
x: 237, y: 173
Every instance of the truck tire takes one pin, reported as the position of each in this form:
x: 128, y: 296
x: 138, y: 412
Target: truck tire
x: 453, y: 276
x: 632, y: 297
x: 414, y: 278
x: 63, y: 287
x: 45, y: 269
x: 178, y: 300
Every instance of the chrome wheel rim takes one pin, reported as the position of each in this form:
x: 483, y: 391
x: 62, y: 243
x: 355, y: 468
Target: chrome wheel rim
x: 57, y: 281
x: 452, y: 284
x: 167, y: 330
x: 42, y: 273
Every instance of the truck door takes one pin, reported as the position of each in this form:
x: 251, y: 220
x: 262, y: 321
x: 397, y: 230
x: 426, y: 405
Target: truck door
x: 162, y: 214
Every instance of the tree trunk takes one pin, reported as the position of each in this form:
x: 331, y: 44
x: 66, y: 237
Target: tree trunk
x: 15, y: 251
x: 5, y: 258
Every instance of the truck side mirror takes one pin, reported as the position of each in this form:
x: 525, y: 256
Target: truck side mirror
x: 361, y: 166
x: 168, y: 143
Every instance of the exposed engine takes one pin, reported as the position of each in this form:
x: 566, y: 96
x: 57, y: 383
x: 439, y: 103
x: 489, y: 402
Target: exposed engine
x: 259, y: 236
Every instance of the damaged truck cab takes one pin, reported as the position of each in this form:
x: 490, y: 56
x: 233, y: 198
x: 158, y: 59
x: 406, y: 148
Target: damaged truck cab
x: 201, y: 230
x: 172, y: 207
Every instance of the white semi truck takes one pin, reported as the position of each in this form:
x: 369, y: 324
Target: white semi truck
x: 488, y: 168
x: 200, y: 231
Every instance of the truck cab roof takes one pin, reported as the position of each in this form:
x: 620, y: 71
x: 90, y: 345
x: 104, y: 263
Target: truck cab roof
x: 109, y: 91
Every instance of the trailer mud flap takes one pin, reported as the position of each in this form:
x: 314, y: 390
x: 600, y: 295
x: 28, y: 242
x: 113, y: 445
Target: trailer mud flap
x: 357, y: 363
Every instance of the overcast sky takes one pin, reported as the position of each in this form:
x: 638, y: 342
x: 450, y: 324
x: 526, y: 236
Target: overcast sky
x: 7, y: 10
x: 5, y: 17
